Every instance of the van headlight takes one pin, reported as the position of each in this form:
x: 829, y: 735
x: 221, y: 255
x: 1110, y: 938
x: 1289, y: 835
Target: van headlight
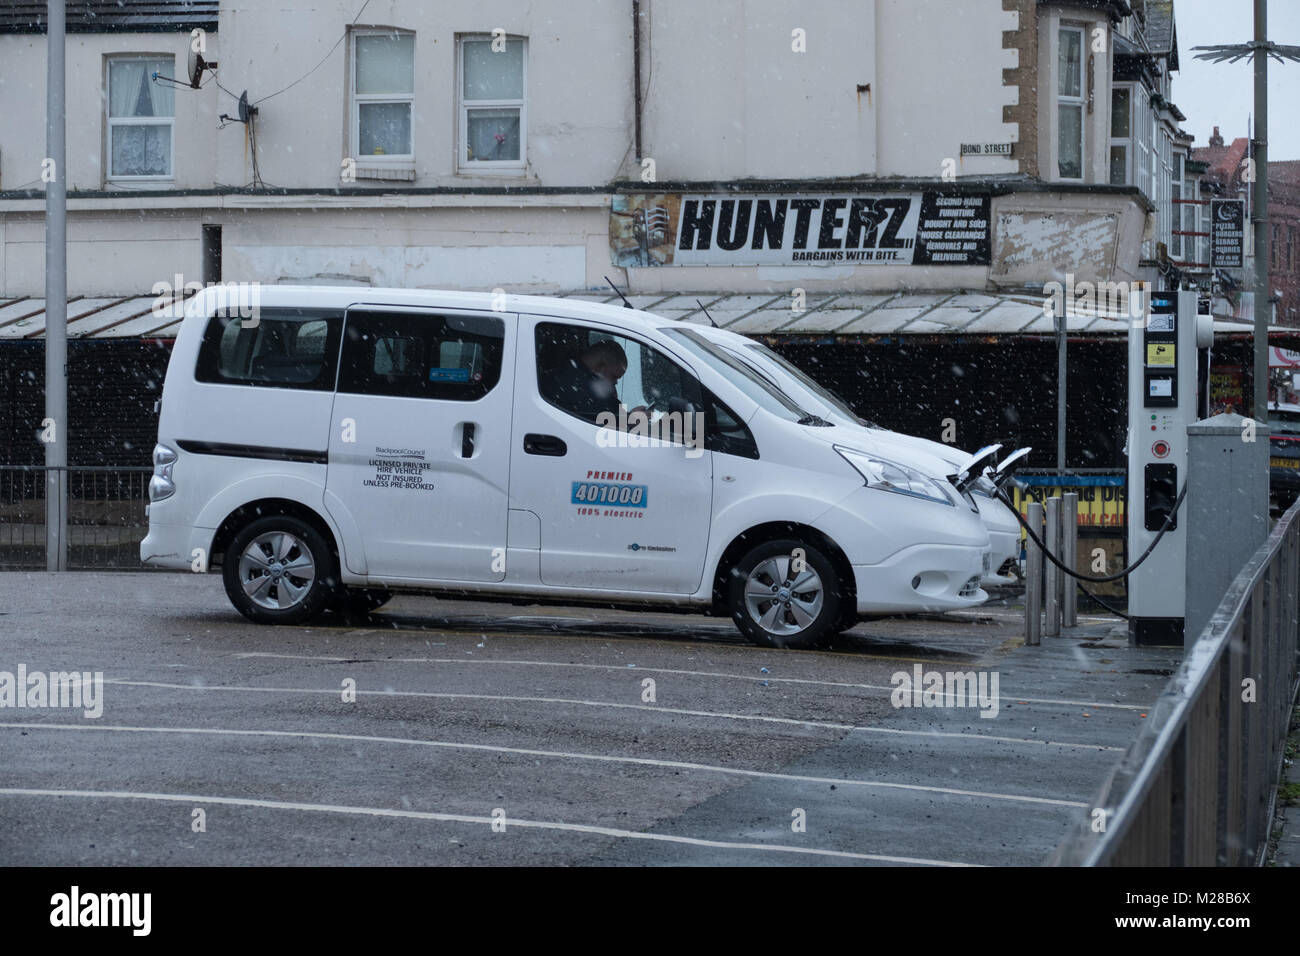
x: 161, y: 485
x: 891, y: 476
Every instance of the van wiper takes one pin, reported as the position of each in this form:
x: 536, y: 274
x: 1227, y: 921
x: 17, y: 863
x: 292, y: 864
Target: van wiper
x: 816, y: 420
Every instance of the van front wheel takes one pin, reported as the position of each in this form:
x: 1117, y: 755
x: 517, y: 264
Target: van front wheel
x: 785, y: 594
x: 279, y: 570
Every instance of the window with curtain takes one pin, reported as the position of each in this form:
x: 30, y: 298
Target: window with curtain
x: 383, y: 95
x: 492, y: 117
x: 1069, y: 103
x: 141, y: 114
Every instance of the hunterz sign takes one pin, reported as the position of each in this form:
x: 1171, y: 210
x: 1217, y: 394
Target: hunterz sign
x: 921, y: 228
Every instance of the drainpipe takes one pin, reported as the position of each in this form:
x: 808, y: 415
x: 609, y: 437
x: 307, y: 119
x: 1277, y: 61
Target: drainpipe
x: 636, y: 74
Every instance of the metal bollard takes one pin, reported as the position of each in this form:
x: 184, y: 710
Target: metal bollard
x: 1070, y: 558
x: 1051, y: 573
x: 1033, y: 578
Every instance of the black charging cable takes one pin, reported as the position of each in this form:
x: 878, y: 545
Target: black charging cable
x: 1169, y: 520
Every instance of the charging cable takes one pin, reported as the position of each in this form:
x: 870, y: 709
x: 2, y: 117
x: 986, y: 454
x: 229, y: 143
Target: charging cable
x: 1002, y: 496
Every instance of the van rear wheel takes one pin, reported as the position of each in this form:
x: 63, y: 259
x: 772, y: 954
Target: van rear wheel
x: 279, y: 570
x: 785, y: 593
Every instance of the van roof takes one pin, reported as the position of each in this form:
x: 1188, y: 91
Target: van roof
x: 337, y: 297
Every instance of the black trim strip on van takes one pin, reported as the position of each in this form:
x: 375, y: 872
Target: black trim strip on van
x: 253, y: 451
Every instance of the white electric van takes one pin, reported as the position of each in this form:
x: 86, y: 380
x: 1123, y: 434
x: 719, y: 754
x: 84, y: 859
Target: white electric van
x: 342, y: 444
x: 1003, y: 528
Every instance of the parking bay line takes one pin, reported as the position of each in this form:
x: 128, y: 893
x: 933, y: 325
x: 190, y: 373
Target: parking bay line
x: 789, y: 721
x: 554, y: 754
x: 955, y: 652
x: 465, y: 818
x: 1010, y: 699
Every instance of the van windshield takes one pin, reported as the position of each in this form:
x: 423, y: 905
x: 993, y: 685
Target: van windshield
x: 803, y: 378
x: 766, y: 393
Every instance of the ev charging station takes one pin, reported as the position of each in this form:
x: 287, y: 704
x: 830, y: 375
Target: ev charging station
x: 1162, y: 403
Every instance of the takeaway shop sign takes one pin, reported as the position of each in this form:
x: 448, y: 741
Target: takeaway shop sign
x: 688, y: 229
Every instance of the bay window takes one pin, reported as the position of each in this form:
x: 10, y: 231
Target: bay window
x: 1069, y: 103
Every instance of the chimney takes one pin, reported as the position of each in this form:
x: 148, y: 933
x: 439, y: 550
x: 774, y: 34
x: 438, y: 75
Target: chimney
x: 1216, y: 139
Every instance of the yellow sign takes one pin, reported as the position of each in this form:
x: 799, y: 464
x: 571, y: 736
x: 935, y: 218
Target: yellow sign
x: 1099, y: 506
x: 1160, y: 353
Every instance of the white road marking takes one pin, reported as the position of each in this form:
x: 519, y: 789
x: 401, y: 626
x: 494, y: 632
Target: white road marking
x: 1008, y: 698
x: 465, y: 818
x: 789, y: 721
x: 555, y: 754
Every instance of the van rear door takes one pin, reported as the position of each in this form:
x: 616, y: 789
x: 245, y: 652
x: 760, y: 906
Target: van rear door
x: 419, y: 449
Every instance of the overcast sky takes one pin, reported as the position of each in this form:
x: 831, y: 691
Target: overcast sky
x: 1223, y: 95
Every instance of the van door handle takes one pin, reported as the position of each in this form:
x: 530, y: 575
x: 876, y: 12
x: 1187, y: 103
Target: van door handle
x: 467, y: 440
x: 545, y: 445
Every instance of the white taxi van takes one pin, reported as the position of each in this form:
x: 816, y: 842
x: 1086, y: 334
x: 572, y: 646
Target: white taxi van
x: 343, y: 444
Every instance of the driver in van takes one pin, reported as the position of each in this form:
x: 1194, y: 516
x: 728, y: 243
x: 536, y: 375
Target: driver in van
x: 585, y: 384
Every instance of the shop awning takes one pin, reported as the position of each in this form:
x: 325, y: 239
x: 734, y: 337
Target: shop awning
x: 848, y: 314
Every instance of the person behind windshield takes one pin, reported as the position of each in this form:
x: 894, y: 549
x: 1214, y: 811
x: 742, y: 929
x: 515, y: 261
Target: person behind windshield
x: 585, y: 384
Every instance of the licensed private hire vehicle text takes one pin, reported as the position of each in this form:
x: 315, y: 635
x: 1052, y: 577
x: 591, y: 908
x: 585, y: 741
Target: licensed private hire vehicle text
x: 345, y: 443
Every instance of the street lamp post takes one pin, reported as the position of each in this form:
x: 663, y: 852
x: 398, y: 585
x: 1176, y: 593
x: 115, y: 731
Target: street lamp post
x: 54, y: 430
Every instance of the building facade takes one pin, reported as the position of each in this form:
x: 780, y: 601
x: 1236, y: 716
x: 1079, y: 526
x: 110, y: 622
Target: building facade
x: 988, y: 146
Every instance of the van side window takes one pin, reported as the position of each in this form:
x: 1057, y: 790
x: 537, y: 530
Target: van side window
x: 587, y: 371
x: 725, y: 432
x: 281, y: 348
x: 415, y: 355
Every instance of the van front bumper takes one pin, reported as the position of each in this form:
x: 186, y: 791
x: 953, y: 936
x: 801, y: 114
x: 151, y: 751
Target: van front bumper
x: 925, y: 577
x: 1006, y: 545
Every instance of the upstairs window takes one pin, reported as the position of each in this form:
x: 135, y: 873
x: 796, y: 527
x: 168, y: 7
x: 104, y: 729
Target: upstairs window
x: 1121, y: 133
x: 1176, y: 209
x: 1069, y: 103
x: 141, y: 116
x: 492, y: 81
x: 383, y: 96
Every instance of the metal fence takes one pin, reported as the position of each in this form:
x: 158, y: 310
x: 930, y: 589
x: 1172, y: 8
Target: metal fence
x: 1199, y: 785
x: 106, y: 519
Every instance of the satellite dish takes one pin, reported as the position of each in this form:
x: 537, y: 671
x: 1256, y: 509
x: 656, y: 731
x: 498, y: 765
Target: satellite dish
x: 245, y: 111
x: 195, y: 66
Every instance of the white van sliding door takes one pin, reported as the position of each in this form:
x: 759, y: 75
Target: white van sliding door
x: 419, y: 449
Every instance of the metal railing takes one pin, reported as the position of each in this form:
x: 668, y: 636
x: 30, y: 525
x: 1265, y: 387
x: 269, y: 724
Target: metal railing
x: 1198, y: 786
x: 106, y: 519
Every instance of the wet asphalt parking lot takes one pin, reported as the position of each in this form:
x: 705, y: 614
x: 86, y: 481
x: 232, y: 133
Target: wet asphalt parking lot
x: 499, y: 734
